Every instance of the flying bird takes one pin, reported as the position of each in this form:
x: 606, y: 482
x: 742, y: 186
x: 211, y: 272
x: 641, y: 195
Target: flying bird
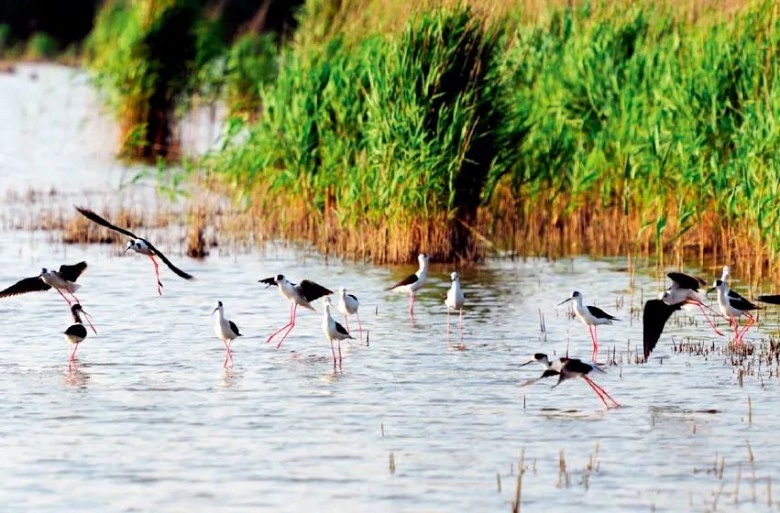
x: 569, y: 368
x: 298, y: 295
x: 139, y: 245
x: 64, y: 279
x: 685, y: 289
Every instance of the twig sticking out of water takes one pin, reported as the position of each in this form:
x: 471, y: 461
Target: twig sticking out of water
x: 752, y: 461
x: 739, y: 480
x: 750, y: 408
x: 542, y: 327
x: 519, y: 486
x: 564, y: 479
x: 392, y: 463
x: 498, y: 482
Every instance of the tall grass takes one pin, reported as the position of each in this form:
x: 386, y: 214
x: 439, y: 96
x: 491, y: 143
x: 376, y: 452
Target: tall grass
x: 594, y: 128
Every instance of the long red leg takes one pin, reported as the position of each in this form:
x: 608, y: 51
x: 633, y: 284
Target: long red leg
x: 592, y: 331
x: 346, y: 322
x: 448, y: 322
x: 597, y: 392
x: 460, y: 322
x: 63, y: 296
x: 73, y: 353
x: 156, y: 274
x: 411, y: 303
x: 360, y: 326
x: 601, y: 389
x: 709, y: 320
x: 750, y: 322
x: 339, y: 344
x: 272, y: 335
x: 292, y: 325
x: 333, y: 351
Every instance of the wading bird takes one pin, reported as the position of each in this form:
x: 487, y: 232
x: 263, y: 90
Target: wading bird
x: 570, y: 368
x: 733, y: 308
x: 64, y: 279
x: 591, y: 316
x: 298, y: 295
x: 684, y: 290
x: 227, y: 331
x: 348, y: 305
x: 76, y: 332
x: 139, y: 245
x: 413, y: 282
x: 454, y: 301
x: 333, y: 331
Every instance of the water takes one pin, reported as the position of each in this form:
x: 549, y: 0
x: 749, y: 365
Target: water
x: 150, y: 421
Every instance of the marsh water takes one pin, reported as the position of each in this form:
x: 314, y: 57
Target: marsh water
x: 148, y: 419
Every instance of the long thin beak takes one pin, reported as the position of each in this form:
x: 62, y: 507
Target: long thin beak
x: 126, y: 249
x: 214, y: 311
x: 565, y: 301
x: 711, y: 289
x: 528, y: 362
x: 88, y: 317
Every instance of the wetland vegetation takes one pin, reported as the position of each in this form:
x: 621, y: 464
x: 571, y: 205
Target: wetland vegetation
x: 376, y: 130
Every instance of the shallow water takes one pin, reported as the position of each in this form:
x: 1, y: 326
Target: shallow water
x: 150, y: 421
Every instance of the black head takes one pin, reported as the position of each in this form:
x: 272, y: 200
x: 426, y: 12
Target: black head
x: 76, y: 308
x: 279, y: 277
x: 540, y: 356
x: 219, y: 303
x: 576, y: 294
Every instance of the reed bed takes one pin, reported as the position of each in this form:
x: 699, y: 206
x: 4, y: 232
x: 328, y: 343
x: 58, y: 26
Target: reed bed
x: 594, y: 128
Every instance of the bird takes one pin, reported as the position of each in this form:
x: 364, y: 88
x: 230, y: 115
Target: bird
x: 569, y: 368
x: 455, y: 300
x: 413, y: 282
x: 139, y: 245
x: 348, y: 305
x: 64, y: 279
x: 333, y: 331
x: 298, y: 295
x: 591, y: 316
x: 76, y: 332
x: 227, y: 331
x: 684, y: 290
x: 733, y: 308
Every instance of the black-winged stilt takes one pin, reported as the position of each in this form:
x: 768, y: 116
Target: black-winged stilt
x: 683, y: 290
x: 139, y: 245
x: 298, y: 295
x: 413, y: 282
x: 455, y: 301
x: 64, y: 279
x: 76, y: 332
x: 569, y: 368
x: 348, y: 305
x: 227, y: 331
x: 591, y: 316
x: 333, y: 331
x: 733, y: 308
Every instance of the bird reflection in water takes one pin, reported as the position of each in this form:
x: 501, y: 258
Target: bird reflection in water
x: 230, y: 377
x: 76, y: 377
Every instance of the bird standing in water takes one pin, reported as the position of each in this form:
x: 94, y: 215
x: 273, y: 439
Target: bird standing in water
x: 348, y: 305
x: 413, y: 282
x: 591, y: 316
x: 454, y: 301
x: 570, y: 368
x: 76, y: 333
x: 227, y: 331
x: 333, y: 331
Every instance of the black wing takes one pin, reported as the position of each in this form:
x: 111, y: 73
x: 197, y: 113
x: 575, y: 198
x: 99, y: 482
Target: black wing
x: 598, y: 313
x: 172, y: 267
x: 545, y: 374
x: 99, y: 220
x: 654, y: 317
x: 342, y: 330
x: 735, y: 295
x: 234, y: 328
x: 576, y: 366
x: 34, y: 284
x: 268, y: 281
x: 770, y: 298
x: 406, y: 281
x: 742, y: 304
x: 686, y: 281
x: 72, y: 272
x: 353, y: 296
x: 312, y: 291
